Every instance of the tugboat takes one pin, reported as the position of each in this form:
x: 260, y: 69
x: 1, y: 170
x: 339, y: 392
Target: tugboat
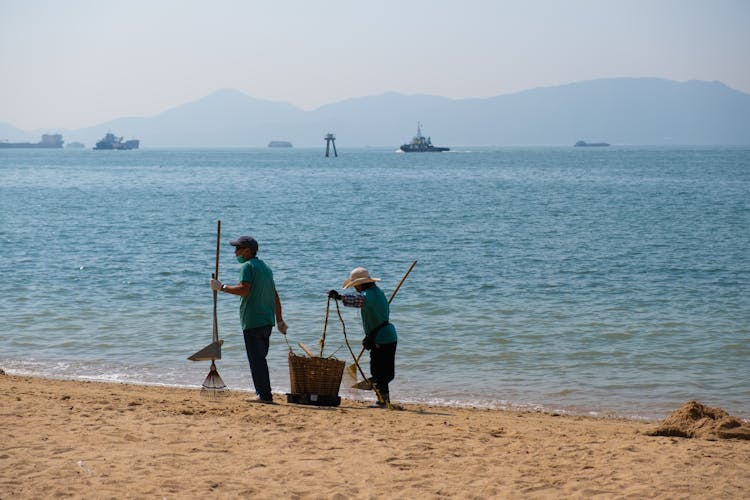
x: 111, y: 141
x: 421, y: 144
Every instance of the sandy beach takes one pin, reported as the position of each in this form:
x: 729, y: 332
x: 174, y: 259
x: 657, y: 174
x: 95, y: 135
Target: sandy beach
x: 101, y: 440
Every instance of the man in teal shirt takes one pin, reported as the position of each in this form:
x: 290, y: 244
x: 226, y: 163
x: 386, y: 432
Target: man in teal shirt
x: 380, y: 335
x: 260, y: 310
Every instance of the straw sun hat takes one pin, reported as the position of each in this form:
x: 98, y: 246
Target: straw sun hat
x: 359, y: 276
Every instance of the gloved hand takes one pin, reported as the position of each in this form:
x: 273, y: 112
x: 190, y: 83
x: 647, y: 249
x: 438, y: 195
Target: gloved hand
x: 368, y: 342
x: 281, y: 326
x: 215, y: 285
x: 333, y: 294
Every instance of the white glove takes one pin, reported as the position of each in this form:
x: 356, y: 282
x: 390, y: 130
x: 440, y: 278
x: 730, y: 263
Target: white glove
x: 281, y: 326
x: 215, y: 285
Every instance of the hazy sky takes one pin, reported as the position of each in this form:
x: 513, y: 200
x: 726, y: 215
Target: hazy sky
x: 76, y: 63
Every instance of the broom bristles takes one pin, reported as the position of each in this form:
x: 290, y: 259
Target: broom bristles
x: 351, y: 374
x: 213, y: 386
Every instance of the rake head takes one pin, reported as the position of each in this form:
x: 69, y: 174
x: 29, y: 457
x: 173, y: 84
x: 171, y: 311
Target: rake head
x: 213, y: 386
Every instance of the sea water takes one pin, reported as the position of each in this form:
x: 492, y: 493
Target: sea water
x: 604, y: 281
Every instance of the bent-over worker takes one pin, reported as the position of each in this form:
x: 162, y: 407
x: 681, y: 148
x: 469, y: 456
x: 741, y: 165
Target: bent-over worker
x: 380, y: 335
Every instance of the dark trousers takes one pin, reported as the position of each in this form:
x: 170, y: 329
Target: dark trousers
x: 382, y: 365
x: 256, y: 345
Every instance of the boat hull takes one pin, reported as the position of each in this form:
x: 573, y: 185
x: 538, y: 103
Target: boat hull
x: 407, y: 148
x: 28, y: 145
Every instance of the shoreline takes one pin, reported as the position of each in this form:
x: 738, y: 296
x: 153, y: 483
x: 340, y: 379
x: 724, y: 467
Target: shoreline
x: 98, y: 439
x: 346, y: 394
x: 653, y: 411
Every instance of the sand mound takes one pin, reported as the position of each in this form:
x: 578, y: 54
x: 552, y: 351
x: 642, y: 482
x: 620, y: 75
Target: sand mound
x: 694, y: 420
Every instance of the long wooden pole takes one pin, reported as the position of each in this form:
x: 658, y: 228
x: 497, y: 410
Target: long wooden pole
x: 216, y: 276
x: 402, y: 281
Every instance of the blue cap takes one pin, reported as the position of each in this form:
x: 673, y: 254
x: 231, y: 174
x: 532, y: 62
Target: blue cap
x: 245, y: 242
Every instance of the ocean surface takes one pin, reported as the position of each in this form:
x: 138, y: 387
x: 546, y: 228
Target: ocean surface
x: 595, y: 281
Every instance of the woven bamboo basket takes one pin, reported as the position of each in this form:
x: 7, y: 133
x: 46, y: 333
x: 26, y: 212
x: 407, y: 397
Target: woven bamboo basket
x: 319, y: 376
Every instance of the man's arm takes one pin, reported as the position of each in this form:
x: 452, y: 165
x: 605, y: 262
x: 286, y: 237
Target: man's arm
x: 280, y: 323
x: 279, y: 316
x: 242, y: 289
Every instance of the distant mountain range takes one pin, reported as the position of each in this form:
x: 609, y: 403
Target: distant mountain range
x: 620, y: 111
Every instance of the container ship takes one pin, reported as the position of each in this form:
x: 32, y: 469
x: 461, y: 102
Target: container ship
x: 49, y: 141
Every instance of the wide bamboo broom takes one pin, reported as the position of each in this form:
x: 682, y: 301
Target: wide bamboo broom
x: 213, y: 387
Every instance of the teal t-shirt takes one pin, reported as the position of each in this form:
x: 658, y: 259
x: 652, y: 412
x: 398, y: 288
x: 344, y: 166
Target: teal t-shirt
x: 374, y: 312
x: 258, y: 308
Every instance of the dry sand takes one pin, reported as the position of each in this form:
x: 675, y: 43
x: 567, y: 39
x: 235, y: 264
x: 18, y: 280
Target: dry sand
x: 96, y: 440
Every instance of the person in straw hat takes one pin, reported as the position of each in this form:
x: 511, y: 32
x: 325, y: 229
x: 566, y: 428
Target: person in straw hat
x: 380, y: 335
x: 260, y: 310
